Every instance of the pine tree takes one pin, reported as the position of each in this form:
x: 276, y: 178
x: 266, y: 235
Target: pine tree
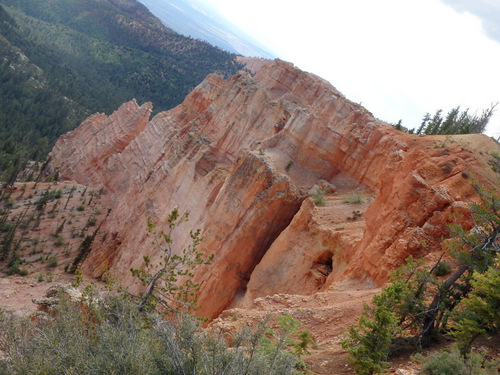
x: 422, y: 304
x: 479, y: 313
x: 168, y: 285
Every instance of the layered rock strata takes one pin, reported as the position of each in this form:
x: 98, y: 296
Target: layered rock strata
x: 242, y: 157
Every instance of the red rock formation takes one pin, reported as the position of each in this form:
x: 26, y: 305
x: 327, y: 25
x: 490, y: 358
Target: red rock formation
x: 84, y: 154
x: 241, y: 156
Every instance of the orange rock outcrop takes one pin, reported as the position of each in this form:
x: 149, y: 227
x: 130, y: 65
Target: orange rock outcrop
x: 246, y: 157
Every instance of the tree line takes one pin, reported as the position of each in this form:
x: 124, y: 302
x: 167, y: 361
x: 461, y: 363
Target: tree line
x: 454, y: 122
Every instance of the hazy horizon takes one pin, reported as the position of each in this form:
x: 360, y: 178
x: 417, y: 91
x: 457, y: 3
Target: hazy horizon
x: 399, y: 59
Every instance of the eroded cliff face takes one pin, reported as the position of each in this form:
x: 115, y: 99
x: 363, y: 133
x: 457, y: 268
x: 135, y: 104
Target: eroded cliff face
x: 242, y: 156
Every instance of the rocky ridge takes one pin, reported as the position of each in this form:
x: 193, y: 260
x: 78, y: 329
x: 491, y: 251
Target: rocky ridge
x: 246, y: 158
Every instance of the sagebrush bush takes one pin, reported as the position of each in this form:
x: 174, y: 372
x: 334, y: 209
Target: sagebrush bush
x: 52, y: 262
x: 14, y: 266
x: 317, y: 193
x: 444, y: 363
x: 110, y: 336
x: 353, y: 198
x: 450, y: 362
x: 59, y: 241
x: 443, y: 268
x: 318, y: 198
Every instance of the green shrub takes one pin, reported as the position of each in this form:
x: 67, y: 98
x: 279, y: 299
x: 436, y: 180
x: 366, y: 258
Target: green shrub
x: 450, y: 362
x: 9, y: 203
x: 163, y: 291
x: 80, y: 208
x: 368, y: 343
x: 493, y: 165
x: 317, y: 193
x: 447, y: 167
x: 318, y: 197
x: 443, y: 268
x: 14, y: 267
x: 52, y: 262
x: 355, y: 215
x: 59, y: 241
x: 92, y: 221
x: 111, y: 336
x: 6, y: 226
x: 444, y: 363
x: 57, y: 193
x: 479, y: 313
x: 353, y: 198
x: 23, y: 272
x: 417, y: 307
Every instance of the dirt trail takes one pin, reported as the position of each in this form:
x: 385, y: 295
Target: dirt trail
x: 17, y: 293
x: 344, y: 210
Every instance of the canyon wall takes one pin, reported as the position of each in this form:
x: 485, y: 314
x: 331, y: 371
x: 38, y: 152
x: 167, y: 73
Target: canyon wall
x: 245, y: 157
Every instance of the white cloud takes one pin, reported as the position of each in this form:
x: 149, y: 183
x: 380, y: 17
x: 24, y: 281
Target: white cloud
x: 400, y: 58
x: 487, y: 10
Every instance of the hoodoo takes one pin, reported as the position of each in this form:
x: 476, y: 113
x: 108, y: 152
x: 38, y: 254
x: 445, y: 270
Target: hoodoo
x: 296, y: 189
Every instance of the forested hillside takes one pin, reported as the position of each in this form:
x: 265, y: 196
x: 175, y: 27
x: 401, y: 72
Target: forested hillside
x: 61, y: 60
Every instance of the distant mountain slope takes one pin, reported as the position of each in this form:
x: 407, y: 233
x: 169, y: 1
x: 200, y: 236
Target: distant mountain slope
x: 185, y: 17
x: 61, y: 60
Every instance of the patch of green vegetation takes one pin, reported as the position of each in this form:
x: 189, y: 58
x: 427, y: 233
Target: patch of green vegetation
x: 450, y: 362
x: 59, y: 241
x: 417, y: 307
x: 111, y: 336
x: 447, y: 167
x: 353, y: 198
x: 493, y: 166
x: 92, y: 221
x: 443, y: 268
x: 15, y: 267
x: 355, y: 215
x: 455, y: 122
x: 318, y: 197
x: 151, y: 333
x: 52, y: 262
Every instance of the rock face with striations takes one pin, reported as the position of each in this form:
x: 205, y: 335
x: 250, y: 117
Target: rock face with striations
x: 244, y: 157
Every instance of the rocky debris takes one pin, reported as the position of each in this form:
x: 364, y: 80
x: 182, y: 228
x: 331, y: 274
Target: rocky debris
x: 45, y: 303
x: 401, y: 371
x: 53, y: 297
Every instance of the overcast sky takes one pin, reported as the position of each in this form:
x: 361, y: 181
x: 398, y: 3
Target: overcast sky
x: 399, y: 58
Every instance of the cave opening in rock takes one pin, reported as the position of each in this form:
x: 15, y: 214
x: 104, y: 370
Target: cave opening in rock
x: 322, y: 268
